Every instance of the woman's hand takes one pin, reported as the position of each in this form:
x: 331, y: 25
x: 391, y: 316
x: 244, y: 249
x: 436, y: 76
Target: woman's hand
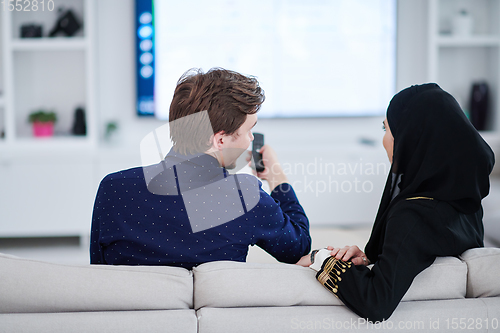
x: 352, y: 253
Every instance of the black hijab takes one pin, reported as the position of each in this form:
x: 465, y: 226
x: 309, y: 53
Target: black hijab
x: 437, y: 154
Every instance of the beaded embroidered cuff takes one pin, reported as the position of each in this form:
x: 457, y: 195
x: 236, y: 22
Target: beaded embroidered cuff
x: 330, y: 273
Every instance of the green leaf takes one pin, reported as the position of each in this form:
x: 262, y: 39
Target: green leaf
x: 42, y: 116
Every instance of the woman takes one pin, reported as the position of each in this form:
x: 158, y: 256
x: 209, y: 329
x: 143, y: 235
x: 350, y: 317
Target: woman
x: 431, y: 205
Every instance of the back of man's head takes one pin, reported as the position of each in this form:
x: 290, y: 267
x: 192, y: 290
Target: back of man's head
x: 227, y: 96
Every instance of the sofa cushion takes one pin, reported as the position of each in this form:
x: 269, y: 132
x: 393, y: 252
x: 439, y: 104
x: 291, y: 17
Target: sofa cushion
x: 409, y: 317
x: 446, y: 278
x: 149, y: 321
x: 34, y: 286
x: 235, y: 284
x: 483, y: 277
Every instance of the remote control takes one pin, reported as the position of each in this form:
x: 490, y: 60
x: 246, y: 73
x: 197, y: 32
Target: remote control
x: 258, y: 142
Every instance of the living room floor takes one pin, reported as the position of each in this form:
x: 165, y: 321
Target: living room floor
x: 74, y: 251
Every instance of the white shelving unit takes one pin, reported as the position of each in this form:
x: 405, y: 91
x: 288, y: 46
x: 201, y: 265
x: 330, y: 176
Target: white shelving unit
x: 48, y: 73
x: 2, y: 121
x: 59, y: 44
x: 455, y: 62
x: 47, y: 184
x: 2, y: 85
x: 470, y: 41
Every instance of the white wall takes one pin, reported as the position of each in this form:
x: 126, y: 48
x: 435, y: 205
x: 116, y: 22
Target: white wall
x: 115, y: 27
x: 411, y: 43
x: 305, y: 146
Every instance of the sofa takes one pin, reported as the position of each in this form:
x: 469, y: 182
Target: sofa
x: 452, y: 294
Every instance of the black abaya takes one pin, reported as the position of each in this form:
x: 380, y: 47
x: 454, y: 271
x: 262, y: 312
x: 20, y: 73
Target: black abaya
x: 443, y: 165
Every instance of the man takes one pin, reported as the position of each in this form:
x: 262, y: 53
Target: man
x: 188, y: 209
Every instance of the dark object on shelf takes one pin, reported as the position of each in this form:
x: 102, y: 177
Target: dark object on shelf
x: 479, y: 105
x: 2, y: 134
x: 79, y: 126
x: 67, y: 24
x: 31, y: 31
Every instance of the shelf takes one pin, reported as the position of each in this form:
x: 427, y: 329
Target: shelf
x: 49, y: 44
x: 53, y: 74
x: 469, y: 41
x: 457, y: 61
x: 54, y: 140
x: 55, y: 144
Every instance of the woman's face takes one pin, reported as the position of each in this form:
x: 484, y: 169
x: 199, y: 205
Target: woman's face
x: 388, y: 140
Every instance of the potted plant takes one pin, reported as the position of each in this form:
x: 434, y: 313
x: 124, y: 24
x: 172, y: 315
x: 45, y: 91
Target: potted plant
x: 111, y: 128
x: 43, y: 123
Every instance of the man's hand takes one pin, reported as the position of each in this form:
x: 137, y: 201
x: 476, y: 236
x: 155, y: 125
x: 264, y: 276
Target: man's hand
x: 352, y: 253
x: 273, y: 171
x: 305, y: 261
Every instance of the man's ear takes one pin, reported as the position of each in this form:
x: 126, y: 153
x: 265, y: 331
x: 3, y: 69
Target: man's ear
x: 218, y: 140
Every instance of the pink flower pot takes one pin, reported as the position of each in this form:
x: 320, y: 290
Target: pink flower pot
x: 41, y: 129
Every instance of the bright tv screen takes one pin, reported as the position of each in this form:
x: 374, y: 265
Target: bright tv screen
x: 314, y: 58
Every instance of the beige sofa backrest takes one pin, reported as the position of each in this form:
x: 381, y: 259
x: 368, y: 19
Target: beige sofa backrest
x: 28, y: 286
x: 34, y: 286
x: 232, y: 284
x: 483, y: 274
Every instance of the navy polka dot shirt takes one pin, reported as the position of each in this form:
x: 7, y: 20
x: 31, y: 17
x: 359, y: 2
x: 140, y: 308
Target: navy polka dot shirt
x: 184, y: 212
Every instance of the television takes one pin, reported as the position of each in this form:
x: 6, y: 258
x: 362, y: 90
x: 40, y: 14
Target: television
x: 315, y: 58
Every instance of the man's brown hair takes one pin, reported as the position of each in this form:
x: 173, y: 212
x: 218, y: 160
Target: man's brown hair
x: 227, y: 96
